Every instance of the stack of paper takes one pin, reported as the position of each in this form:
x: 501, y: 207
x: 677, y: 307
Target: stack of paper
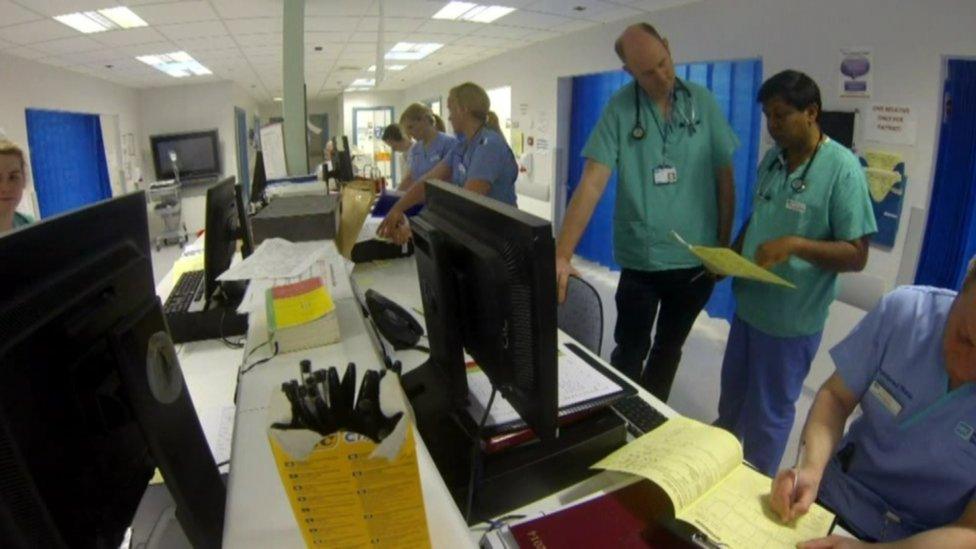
x: 301, y: 316
x: 726, y: 262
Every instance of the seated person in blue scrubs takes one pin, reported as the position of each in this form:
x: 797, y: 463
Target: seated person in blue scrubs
x: 13, y: 180
x: 481, y: 162
x: 905, y: 472
x: 430, y: 146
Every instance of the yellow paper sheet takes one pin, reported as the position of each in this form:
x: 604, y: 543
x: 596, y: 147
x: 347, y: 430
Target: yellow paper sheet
x: 736, y: 512
x: 684, y: 457
x: 882, y: 159
x: 880, y: 182
x: 726, y: 262
x: 186, y: 264
x: 299, y: 309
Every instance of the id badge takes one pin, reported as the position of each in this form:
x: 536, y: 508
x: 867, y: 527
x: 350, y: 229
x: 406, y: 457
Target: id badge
x: 887, y: 400
x: 665, y: 174
x: 796, y: 206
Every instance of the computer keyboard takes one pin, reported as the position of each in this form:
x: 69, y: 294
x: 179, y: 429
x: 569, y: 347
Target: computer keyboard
x: 188, y: 288
x: 640, y: 416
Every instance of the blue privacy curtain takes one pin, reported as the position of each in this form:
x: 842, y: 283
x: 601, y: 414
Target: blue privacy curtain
x: 735, y: 85
x: 67, y: 160
x: 950, y: 235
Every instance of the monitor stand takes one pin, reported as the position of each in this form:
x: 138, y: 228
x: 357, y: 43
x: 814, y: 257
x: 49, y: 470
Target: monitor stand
x: 513, y: 477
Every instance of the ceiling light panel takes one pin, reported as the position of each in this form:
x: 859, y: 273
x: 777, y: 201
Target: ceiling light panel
x: 372, y: 68
x: 102, y: 20
x: 468, y: 11
x: 412, y: 51
x: 176, y: 64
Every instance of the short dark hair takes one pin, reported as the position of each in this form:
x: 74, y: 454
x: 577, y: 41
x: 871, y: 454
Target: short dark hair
x: 793, y: 87
x: 392, y: 133
x: 618, y: 46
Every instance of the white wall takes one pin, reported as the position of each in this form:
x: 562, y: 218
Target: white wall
x: 27, y: 84
x: 194, y: 107
x: 909, y: 39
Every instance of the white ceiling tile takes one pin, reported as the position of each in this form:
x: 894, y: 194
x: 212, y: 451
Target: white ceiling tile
x: 423, y: 9
x: 154, y: 48
x: 459, y: 28
x: 536, y: 20
x: 615, y: 14
x: 12, y: 14
x: 330, y: 24
x: 353, y: 47
x: 570, y: 9
x: 177, y: 12
x: 61, y: 7
x: 210, y: 43
x: 364, y: 37
x: 36, y: 31
x: 256, y: 25
x: 342, y: 8
x: 128, y: 37
x: 483, y: 41
x: 502, y: 31
x: 573, y: 26
x: 98, y: 56
x: 68, y: 45
x: 193, y: 30
x: 229, y: 9
x: 25, y: 52
x: 326, y: 38
x: 392, y: 24
x: 541, y: 36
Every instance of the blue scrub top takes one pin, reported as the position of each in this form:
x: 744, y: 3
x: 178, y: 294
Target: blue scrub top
x: 486, y: 157
x: 423, y: 158
x: 914, y: 448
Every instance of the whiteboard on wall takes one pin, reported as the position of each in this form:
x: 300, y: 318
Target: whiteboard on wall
x: 273, y: 151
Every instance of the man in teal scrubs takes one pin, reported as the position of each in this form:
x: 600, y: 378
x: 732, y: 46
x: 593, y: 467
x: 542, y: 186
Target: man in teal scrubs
x: 672, y: 149
x: 811, y: 219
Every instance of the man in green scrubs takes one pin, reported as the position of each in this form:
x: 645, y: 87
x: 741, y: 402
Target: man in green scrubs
x: 672, y: 149
x: 811, y: 219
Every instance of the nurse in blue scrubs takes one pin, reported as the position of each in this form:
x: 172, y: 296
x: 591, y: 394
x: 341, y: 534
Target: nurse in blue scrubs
x: 13, y: 180
x: 905, y: 472
x: 481, y: 162
x: 430, y: 145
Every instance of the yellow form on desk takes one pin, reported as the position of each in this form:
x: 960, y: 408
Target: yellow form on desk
x: 726, y: 262
x: 299, y: 303
x: 700, y: 468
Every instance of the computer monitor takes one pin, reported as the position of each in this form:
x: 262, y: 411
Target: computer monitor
x: 259, y: 182
x: 243, y: 222
x: 487, y: 280
x: 92, y: 398
x: 221, y: 233
x: 197, y: 154
x: 341, y: 159
x: 839, y: 126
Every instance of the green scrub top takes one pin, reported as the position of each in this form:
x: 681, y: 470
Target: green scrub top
x: 699, y: 141
x: 834, y: 205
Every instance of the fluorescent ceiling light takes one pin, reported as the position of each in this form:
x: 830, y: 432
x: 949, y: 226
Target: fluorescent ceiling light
x: 411, y: 51
x: 102, y: 20
x: 372, y: 68
x: 477, y: 13
x: 176, y: 64
x: 356, y: 89
x: 278, y: 99
x: 363, y: 82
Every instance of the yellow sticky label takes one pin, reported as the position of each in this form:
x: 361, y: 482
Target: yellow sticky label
x: 299, y: 303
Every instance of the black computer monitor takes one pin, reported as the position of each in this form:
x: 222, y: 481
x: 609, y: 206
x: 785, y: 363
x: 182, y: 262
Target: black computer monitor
x: 839, y: 126
x: 92, y: 398
x: 197, y: 154
x: 341, y: 159
x: 487, y: 280
x: 221, y: 233
x: 259, y: 182
x: 243, y: 222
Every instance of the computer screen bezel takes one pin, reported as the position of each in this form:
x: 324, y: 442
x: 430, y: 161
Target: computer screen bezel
x: 163, y: 167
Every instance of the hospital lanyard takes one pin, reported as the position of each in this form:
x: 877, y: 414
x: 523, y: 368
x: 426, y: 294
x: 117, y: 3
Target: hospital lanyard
x: 800, y: 184
x: 467, y: 144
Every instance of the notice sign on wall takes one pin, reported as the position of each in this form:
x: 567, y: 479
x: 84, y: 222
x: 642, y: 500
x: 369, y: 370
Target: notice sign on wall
x: 890, y: 124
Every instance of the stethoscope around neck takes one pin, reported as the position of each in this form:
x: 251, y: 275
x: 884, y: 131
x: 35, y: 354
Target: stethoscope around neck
x: 638, y: 132
x: 799, y: 184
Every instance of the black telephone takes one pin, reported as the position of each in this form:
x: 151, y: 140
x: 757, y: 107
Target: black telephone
x: 396, y: 324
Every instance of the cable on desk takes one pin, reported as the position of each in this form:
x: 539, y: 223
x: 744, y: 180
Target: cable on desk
x: 475, y: 447
x: 223, y: 338
x: 248, y: 368
x: 421, y: 348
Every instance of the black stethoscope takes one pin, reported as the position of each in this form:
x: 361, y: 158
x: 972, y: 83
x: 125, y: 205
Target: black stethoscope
x: 799, y: 184
x: 638, y: 132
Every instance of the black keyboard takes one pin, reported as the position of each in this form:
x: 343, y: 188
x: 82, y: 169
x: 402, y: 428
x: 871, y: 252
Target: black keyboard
x: 640, y: 416
x: 188, y: 288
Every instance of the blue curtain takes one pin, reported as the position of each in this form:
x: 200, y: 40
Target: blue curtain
x: 735, y: 85
x: 950, y: 234
x: 67, y: 160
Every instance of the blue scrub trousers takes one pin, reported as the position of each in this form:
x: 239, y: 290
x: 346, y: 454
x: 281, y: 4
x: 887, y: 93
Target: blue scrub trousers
x: 762, y: 376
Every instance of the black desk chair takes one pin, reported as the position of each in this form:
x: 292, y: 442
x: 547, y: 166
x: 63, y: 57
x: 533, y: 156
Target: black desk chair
x: 581, y: 315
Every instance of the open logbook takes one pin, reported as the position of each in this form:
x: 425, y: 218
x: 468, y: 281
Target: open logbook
x: 700, y: 468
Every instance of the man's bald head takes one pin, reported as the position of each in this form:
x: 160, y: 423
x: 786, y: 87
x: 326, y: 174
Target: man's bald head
x: 633, y: 36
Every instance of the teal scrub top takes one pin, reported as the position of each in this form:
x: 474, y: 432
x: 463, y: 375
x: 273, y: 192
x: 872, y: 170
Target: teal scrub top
x: 22, y: 220
x: 911, y: 455
x: 698, y: 142
x: 834, y: 205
